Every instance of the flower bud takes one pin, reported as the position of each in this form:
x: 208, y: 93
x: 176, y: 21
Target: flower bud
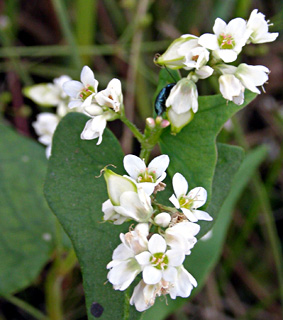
x: 173, y: 58
x: 163, y: 219
x: 183, y: 97
x: 116, y: 185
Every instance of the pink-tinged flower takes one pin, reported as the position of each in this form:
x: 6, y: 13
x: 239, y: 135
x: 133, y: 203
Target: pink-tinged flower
x: 81, y: 93
x: 227, y: 40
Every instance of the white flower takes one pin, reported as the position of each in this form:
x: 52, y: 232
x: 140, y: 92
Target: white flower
x: 204, y: 72
x: 258, y: 28
x: 188, y: 203
x: 158, y: 262
x: 178, y: 121
x: 227, y: 40
x: 44, y: 127
x: 183, y: 285
x: 81, y: 93
x: 183, y: 97
x: 112, y: 96
x: 195, y: 55
x: 174, y: 56
x: 49, y: 94
x: 110, y: 214
x: 146, y: 177
x: 135, y: 206
x: 182, y: 236
x: 252, y: 76
x: 124, y: 267
x: 95, y: 127
x: 235, y: 79
x: 144, y: 295
x: 163, y: 219
x: 231, y: 88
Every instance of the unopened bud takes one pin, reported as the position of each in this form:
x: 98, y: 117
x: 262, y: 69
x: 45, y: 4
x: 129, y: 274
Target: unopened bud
x: 163, y: 219
x: 165, y: 123
x: 150, y: 122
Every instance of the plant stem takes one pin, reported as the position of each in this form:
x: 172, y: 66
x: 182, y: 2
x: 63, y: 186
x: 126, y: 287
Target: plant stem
x: 26, y: 307
x: 132, y: 127
x: 141, y: 10
x: 53, y: 285
x: 67, y: 32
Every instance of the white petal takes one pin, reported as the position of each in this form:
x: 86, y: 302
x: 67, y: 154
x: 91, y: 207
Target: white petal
x: 143, y: 258
x: 88, y: 133
x: 227, y: 55
x: 159, y: 164
x: 156, y: 244
x: 87, y: 102
x: 199, y: 195
x: 93, y: 110
x: 75, y: 103
x: 122, y: 275
x: 208, y: 41
x: 190, y: 216
x: 122, y: 253
x: 170, y: 274
x: 87, y: 78
x: 148, y: 187
x: 133, y: 165
x: 138, y: 298
x: 180, y: 185
x: 202, y: 215
x: 219, y: 26
x: 73, y: 88
x: 175, y: 201
x: 175, y: 257
x: 151, y: 275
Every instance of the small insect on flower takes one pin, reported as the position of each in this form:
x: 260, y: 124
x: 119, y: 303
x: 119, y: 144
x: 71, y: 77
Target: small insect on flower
x: 161, y: 98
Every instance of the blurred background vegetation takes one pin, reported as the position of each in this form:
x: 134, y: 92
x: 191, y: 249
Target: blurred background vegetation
x: 41, y: 40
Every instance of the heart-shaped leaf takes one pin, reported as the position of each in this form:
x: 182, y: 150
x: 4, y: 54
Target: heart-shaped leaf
x: 75, y: 192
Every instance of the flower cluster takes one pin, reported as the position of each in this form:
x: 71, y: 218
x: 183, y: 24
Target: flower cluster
x: 101, y: 106
x: 163, y: 236
x: 208, y: 55
x: 49, y: 95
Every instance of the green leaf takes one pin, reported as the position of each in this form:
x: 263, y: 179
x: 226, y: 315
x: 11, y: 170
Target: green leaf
x: 192, y: 152
x: 205, y: 254
x: 75, y: 193
x: 27, y: 228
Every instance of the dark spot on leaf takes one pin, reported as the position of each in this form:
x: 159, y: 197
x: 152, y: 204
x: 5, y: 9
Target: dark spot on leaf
x: 96, y: 309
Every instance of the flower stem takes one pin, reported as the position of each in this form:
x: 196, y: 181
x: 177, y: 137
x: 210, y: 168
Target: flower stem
x: 132, y: 127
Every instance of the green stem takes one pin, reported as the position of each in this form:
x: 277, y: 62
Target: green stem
x: 26, y: 307
x: 132, y: 127
x: 85, y: 24
x: 67, y: 32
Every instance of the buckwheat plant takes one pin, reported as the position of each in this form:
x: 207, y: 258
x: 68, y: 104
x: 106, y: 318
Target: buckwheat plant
x: 159, y: 207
